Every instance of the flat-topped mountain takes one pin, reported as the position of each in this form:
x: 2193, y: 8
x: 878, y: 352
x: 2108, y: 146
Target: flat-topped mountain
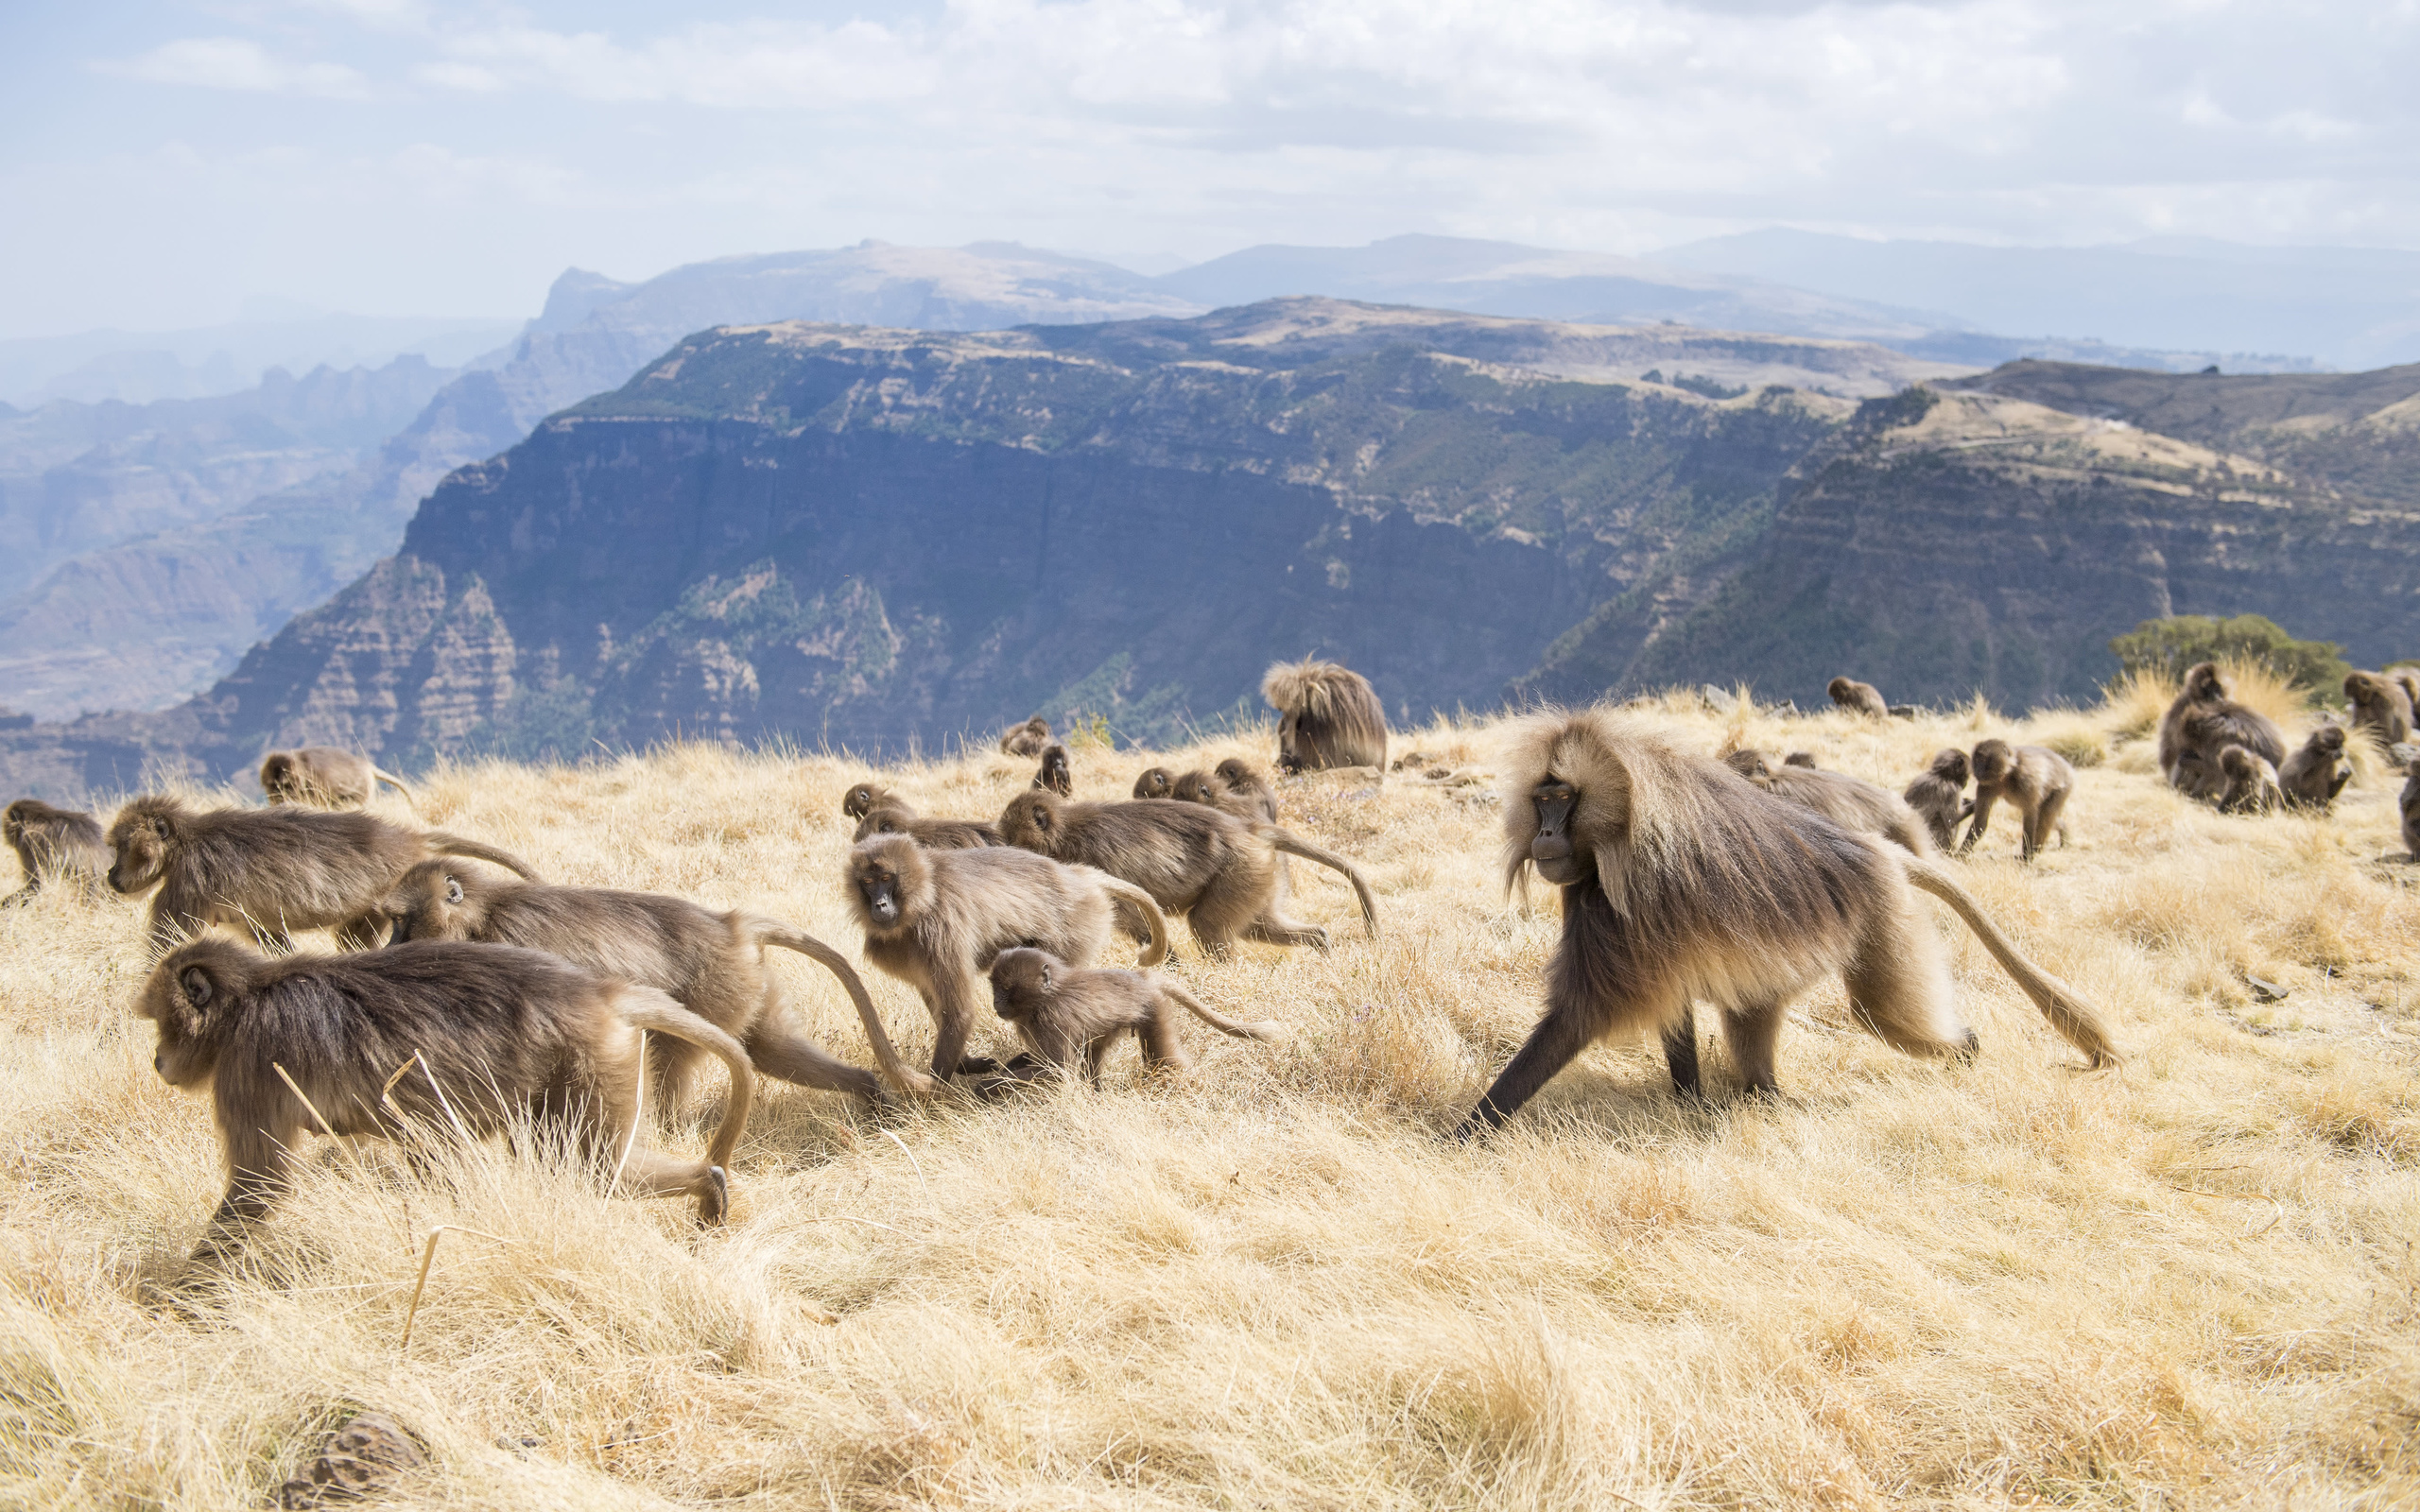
x: 878, y: 538
x: 1994, y: 534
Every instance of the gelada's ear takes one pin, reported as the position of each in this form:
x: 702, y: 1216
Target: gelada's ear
x: 200, y: 989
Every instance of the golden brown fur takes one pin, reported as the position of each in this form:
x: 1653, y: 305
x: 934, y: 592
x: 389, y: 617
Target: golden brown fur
x: 1327, y: 715
x: 2314, y: 775
x: 1072, y: 1015
x: 1843, y: 800
x: 2251, y: 783
x: 498, y: 1033
x: 1026, y: 739
x: 2203, y: 722
x: 890, y: 815
x: 1245, y: 780
x: 935, y: 920
x: 1681, y: 882
x: 1156, y: 782
x: 1859, y: 697
x: 2381, y: 706
x: 1218, y: 872
x: 712, y: 963
x: 2033, y: 779
x: 57, y: 846
x: 1054, y: 775
x: 271, y: 871
x: 860, y: 800
x: 1939, y: 797
x: 324, y: 776
x: 2408, y: 804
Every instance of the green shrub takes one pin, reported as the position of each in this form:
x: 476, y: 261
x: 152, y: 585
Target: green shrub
x: 2168, y: 646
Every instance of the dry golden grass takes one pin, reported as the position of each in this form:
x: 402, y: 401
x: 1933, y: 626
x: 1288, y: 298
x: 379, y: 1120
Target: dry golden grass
x: 2187, y: 1284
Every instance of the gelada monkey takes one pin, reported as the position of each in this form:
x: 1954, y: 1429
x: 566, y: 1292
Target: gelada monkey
x: 482, y: 1035
x: 1680, y: 881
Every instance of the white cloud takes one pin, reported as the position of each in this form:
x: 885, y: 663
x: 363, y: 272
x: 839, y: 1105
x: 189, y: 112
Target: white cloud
x: 237, y: 64
x: 493, y: 139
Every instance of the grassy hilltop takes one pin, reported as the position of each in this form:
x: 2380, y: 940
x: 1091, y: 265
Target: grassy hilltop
x: 2186, y: 1283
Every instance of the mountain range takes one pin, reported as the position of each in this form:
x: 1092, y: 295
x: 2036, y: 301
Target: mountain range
x: 880, y: 538
x: 131, y: 604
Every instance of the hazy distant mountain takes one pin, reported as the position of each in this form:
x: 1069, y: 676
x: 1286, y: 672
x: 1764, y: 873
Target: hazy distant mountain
x: 1505, y: 278
x: 141, y: 366
x: 190, y: 544
x: 152, y: 543
x: 2347, y: 307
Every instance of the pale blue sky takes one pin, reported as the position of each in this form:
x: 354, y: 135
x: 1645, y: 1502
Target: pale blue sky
x: 161, y: 163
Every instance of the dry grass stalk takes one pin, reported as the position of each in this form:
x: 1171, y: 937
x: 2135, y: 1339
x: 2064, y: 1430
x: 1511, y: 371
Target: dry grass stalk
x: 1268, y: 1282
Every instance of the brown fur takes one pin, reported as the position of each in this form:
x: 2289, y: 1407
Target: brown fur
x: 1071, y: 1015
x: 935, y: 920
x: 1156, y: 782
x: 1859, y: 697
x: 712, y: 963
x: 1327, y: 715
x: 1939, y: 797
x: 1218, y: 872
x: 2203, y: 722
x: 1054, y: 776
x: 862, y: 800
x: 501, y: 1032
x: 892, y: 815
x: 1245, y: 780
x: 2408, y: 805
x: 1843, y: 800
x: 1680, y: 881
x: 2314, y: 775
x: 2381, y: 706
x: 1799, y: 758
x: 57, y: 846
x: 2037, y: 781
x: 2408, y: 677
x: 2251, y: 783
x: 1026, y: 739
x: 273, y: 871
x: 325, y: 776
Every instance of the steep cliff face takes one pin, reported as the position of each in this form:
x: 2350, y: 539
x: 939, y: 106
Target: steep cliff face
x: 874, y: 538
x: 1994, y: 535
x: 879, y: 538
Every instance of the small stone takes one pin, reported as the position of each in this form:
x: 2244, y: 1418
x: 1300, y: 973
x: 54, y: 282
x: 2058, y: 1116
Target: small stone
x: 357, y: 1459
x: 1722, y: 702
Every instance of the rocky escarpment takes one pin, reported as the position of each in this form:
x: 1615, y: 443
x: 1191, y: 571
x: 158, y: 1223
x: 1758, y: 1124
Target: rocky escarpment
x: 881, y: 537
x: 875, y: 539
x: 1993, y: 535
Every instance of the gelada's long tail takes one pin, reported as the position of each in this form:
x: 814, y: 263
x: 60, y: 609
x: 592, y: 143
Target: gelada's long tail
x: 1265, y: 1029
x: 455, y: 845
x: 907, y: 1078
x: 1135, y: 903
x: 2067, y: 1011
x: 1294, y: 845
x: 647, y: 1008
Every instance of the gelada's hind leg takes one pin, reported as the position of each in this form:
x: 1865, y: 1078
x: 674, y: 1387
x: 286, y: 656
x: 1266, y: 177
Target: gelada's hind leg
x: 1900, y: 990
x: 1752, y: 1030
x: 650, y: 1174
x: 782, y: 1050
x: 1681, y: 1051
x: 1274, y: 928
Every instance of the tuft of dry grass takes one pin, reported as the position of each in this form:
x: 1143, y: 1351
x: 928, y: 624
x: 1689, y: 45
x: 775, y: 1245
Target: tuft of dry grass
x: 2187, y: 1284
